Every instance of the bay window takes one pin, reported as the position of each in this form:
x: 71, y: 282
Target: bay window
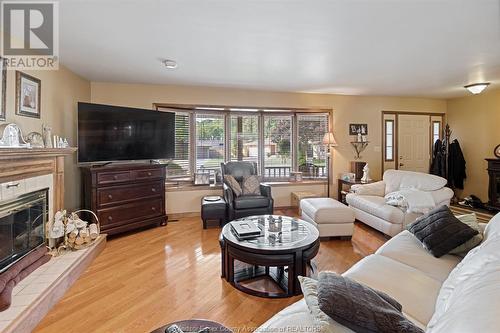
x: 278, y: 141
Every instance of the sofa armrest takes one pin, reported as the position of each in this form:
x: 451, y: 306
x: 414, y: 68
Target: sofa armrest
x: 376, y: 189
x: 442, y: 196
x: 265, y: 190
x: 228, y: 194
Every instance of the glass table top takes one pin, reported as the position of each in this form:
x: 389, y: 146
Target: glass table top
x: 275, y: 232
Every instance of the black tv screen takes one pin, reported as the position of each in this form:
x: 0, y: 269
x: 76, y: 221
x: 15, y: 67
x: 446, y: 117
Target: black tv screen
x: 115, y: 133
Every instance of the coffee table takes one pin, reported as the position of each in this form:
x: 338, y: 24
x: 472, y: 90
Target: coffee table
x: 276, y: 256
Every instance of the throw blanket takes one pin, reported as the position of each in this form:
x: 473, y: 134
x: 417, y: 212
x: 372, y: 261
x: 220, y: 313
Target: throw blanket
x: 18, y: 271
x: 413, y: 200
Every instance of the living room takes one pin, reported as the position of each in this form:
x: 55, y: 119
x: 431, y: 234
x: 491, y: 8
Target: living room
x: 335, y: 112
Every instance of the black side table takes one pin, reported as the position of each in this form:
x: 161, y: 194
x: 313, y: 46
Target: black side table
x: 213, y: 210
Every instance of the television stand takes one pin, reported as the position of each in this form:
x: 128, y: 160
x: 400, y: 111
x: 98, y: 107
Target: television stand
x: 125, y: 196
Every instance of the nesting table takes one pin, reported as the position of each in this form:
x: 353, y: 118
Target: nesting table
x: 279, y: 256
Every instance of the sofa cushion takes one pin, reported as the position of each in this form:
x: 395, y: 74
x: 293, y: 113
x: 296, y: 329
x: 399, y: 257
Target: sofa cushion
x: 376, y: 206
x: 251, y: 201
x: 407, y: 249
x: 360, y: 307
x: 470, y: 298
x: 396, y: 179
x: 440, y: 231
x: 326, y: 210
x: 415, y: 290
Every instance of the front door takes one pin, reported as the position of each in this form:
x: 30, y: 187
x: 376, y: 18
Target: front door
x: 414, y: 143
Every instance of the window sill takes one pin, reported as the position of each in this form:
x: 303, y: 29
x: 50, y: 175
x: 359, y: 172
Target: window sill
x: 191, y: 187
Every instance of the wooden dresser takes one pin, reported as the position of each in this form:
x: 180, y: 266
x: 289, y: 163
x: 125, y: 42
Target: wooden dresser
x: 126, y: 196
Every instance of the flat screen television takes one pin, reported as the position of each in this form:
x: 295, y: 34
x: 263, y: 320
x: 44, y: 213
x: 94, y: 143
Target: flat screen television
x: 109, y: 133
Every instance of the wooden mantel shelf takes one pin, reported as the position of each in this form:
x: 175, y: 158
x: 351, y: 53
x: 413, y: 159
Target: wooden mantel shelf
x: 13, y: 153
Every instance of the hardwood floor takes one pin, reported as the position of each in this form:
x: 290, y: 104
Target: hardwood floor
x: 149, y: 278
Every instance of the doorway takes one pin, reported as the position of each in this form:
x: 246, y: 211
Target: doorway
x: 407, y: 139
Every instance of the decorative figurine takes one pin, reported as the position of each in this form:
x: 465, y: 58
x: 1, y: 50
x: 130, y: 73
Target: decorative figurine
x: 366, y: 174
x: 47, y: 136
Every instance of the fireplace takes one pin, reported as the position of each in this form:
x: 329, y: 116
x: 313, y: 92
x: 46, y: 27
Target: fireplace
x: 22, y: 225
x: 494, y: 184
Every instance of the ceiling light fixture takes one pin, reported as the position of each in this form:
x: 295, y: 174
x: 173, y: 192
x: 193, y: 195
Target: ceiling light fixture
x: 477, y: 88
x: 170, y: 64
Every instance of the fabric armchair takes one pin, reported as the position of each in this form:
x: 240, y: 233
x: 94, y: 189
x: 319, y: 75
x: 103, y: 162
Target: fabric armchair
x: 245, y: 205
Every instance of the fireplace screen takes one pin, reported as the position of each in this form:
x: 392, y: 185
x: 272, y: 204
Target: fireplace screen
x: 22, y: 226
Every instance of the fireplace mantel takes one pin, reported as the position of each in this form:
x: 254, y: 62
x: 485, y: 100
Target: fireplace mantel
x: 21, y: 163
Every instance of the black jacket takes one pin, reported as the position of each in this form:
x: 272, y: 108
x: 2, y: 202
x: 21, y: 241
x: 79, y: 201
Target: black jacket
x: 456, y: 165
x: 438, y: 165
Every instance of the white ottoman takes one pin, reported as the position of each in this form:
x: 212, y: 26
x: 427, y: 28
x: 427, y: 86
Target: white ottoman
x: 332, y: 218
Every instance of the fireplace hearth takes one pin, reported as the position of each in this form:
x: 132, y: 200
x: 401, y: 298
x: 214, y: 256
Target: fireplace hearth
x: 22, y: 226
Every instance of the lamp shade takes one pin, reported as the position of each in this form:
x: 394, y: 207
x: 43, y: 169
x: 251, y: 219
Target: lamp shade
x: 329, y: 139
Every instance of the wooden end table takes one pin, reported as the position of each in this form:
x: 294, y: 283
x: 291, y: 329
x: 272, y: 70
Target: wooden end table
x: 345, y: 185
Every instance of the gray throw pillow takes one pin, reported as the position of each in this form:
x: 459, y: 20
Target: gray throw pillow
x: 440, y: 231
x: 251, y: 185
x: 233, y: 184
x: 471, y: 221
x: 359, y: 307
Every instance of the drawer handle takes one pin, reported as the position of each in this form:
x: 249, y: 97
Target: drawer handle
x: 12, y: 185
x: 153, y: 189
x: 153, y: 209
x: 110, y: 218
x: 110, y: 196
x: 115, y: 177
x: 149, y: 173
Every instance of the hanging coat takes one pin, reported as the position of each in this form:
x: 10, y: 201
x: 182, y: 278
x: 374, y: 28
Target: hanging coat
x: 438, y: 165
x: 456, y: 165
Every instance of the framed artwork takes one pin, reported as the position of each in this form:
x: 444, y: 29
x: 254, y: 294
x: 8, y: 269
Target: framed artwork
x: 355, y: 129
x: 28, y: 94
x: 3, y: 86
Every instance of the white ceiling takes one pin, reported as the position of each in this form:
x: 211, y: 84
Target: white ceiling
x: 370, y: 47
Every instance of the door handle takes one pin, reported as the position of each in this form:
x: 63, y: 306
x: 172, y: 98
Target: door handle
x: 12, y: 185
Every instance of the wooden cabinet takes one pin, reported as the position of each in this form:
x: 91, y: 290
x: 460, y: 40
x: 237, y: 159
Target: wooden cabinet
x: 126, y: 196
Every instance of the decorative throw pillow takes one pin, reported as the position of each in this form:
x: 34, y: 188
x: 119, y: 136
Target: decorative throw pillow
x: 251, y: 185
x: 359, y: 307
x: 471, y: 221
x: 233, y: 184
x: 440, y: 231
x: 323, y: 323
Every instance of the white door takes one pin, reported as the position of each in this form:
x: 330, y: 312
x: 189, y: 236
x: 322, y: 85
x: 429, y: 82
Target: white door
x: 414, y: 143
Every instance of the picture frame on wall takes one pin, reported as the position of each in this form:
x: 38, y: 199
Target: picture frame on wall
x: 3, y: 87
x: 28, y: 95
x: 355, y: 129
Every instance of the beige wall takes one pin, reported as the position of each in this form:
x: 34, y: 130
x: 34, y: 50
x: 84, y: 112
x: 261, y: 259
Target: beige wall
x: 61, y: 90
x: 347, y: 109
x: 475, y: 122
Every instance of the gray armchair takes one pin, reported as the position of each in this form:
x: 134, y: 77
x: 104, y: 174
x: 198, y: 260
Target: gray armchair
x: 245, y: 205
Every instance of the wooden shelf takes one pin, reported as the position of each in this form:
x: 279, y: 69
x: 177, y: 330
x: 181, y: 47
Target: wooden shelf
x: 9, y: 153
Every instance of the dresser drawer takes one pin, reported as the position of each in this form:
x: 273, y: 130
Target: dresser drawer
x: 112, y: 195
x: 129, y: 212
x: 148, y: 174
x: 113, y: 177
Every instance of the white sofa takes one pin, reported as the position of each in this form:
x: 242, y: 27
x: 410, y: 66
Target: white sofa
x: 369, y: 204
x: 441, y: 295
